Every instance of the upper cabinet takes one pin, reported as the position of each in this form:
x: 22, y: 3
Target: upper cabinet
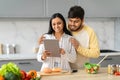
x: 22, y: 8
x: 101, y: 8
x: 45, y: 8
x: 61, y: 6
x: 34, y: 8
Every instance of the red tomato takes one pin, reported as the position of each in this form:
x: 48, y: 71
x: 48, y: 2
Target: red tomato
x: 91, y: 70
x: 117, y: 73
x: 23, y: 74
x: 28, y: 77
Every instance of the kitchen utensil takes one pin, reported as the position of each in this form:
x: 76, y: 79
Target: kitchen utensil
x: 102, y: 60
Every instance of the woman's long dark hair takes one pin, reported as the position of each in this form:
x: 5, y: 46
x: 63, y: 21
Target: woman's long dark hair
x: 50, y: 31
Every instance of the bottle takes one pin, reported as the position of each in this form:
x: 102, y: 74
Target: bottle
x: 1, y: 48
x: 13, y: 48
x: 8, y: 49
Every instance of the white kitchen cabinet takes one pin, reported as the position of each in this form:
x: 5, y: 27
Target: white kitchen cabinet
x: 26, y: 65
x: 108, y: 60
x: 45, y: 8
x: 61, y: 6
x: 22, y: 8
x: 34, y: 8
x: 100, y: 8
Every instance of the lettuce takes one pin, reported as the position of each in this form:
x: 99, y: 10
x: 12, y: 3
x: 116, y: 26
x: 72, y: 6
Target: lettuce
x: 10, y: 67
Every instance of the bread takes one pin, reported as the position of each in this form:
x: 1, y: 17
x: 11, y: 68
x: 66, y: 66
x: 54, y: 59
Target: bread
x: 47, y: 70
x: 56, y: 70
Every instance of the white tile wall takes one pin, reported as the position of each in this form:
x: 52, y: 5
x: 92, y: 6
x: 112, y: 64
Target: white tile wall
x: 104, y: 29
x: 25, y: 33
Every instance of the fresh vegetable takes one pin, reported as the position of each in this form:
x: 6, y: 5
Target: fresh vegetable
x: 11, y: 76
x: 28, y: 77
x: 10, y: 69
x: 2, y: 78
x: 23, y: 74
x: 32, y: 73
x: 91, y: 68
x: 37, y: 78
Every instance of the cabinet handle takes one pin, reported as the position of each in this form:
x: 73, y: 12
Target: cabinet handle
x: 108, y: 59
x: 22, y: 63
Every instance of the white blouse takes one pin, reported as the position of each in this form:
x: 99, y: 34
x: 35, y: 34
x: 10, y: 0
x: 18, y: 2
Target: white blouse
x: 64, y: 60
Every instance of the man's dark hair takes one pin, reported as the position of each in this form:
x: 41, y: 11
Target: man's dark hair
x: 76, y: 12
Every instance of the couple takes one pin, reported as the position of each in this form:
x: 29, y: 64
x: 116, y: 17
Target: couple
x: 74, y: 51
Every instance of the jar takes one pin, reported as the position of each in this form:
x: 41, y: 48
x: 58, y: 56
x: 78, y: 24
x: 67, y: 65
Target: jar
x: 109, y: 69
x: 113, y: 69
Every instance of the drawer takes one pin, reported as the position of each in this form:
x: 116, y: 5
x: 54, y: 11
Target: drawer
x: 25, y: 64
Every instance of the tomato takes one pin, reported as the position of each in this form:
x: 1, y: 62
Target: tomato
x: 117, y: 73
x: 28, y: 77
x: 23, y: 74
x: 32, y: 73
x: 91, y: 70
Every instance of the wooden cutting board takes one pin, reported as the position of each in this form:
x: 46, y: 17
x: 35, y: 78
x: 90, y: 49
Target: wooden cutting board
x: 54, y: 73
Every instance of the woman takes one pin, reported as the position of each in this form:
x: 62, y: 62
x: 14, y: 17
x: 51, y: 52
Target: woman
x: 57, y: 30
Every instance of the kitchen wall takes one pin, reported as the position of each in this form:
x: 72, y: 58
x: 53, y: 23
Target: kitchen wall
x: 25, y: 32
x: 117, y: 33
x: 104, y: 28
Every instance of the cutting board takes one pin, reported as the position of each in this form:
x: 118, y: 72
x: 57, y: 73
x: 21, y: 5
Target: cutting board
x: 54, y: 73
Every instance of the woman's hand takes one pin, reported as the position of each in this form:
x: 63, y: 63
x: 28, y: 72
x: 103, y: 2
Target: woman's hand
x: 45, y: 54
x: 62, y: 51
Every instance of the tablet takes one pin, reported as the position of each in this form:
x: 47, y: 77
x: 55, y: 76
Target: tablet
x: 52, y: 45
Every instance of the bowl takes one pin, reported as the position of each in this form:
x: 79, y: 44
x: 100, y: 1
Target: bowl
x: 91, y: 68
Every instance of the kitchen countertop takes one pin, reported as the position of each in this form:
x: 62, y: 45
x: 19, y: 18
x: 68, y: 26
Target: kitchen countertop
x: 18, y: 56
x: 34, y: 56
x: 83, y: 75
x: 110, y: 54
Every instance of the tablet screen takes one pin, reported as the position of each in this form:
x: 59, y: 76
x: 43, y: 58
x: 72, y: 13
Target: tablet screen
x: 52, y: 45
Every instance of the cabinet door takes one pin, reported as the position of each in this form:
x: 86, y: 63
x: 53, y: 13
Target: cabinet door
x: 108, y: 60
x: 22, y: 8
x: 61, y: 6
x: 101, y: 8
x: 29, y: 64
x: 25, y: 64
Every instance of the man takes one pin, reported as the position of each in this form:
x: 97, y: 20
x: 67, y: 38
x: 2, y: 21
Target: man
x: 85, y: 42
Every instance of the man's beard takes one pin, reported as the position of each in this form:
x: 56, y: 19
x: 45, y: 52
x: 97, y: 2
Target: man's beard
x: 80, y: 27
